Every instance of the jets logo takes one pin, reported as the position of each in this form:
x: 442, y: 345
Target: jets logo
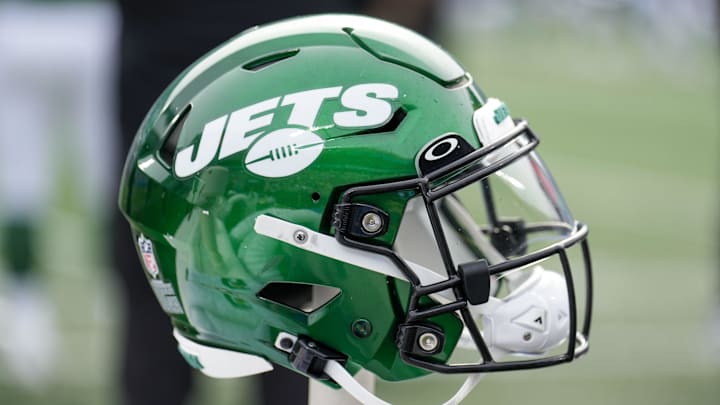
x: 286, y: 151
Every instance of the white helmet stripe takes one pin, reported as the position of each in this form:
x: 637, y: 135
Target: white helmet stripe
x: 325, y: 245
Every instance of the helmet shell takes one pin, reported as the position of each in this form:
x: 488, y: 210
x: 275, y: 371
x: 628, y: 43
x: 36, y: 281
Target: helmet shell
x: 200, y: 218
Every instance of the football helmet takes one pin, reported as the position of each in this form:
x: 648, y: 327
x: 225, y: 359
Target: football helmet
x: 334, y: 192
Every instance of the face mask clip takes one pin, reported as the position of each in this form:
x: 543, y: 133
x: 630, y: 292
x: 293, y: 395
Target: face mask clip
x: 310, y: 358
x: 476, y: 281
x: 421, y: 340
x: 360, y: 220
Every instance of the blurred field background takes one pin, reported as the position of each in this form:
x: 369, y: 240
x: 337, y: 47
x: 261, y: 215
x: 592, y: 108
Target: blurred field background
x: 625, y: 96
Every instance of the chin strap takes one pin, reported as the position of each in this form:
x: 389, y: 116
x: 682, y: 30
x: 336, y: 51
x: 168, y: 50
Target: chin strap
x: 341, y: 376
x: 470, y: 383
x: 319, y: 361
x: 346, y: 381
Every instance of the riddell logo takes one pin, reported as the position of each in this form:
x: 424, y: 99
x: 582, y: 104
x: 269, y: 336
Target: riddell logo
x: 286, y: 151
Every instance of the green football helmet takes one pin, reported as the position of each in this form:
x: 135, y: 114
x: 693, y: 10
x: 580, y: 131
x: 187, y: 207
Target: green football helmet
x: 334, y: 193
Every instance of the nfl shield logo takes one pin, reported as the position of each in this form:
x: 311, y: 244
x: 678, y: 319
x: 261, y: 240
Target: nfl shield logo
x: 148, y: 255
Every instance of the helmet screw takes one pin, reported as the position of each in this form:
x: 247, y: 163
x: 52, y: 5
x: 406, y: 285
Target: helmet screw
x: 361, y: 328
x: 371, y: 223
x: 428, y: 341
x: 300, y: 236
x: 527, y: 336
x: 286, y: 343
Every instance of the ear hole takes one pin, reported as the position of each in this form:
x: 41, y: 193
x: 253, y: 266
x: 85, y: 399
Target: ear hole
x: 315, y: 196
x: 303, y: 297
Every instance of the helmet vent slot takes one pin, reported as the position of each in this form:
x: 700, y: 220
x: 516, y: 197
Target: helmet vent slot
x: 389, y: 126
x: 169, y: 146
x: 267, y: 60
x: 303, y: 297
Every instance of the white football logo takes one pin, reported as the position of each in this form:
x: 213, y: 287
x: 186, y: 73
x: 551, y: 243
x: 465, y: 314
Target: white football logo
x: 283, y: 152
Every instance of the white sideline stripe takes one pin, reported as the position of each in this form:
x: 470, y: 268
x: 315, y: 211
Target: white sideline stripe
x: 325, y: 245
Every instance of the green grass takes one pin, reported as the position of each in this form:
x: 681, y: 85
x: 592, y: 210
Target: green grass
x: 632, y: 138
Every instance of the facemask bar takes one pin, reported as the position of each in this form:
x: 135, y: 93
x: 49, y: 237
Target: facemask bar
x: 415, y: 316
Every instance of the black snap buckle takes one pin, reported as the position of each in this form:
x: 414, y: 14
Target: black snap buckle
x: 311, y: 357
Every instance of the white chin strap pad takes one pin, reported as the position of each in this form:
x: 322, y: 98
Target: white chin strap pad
x: 532, y: 319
